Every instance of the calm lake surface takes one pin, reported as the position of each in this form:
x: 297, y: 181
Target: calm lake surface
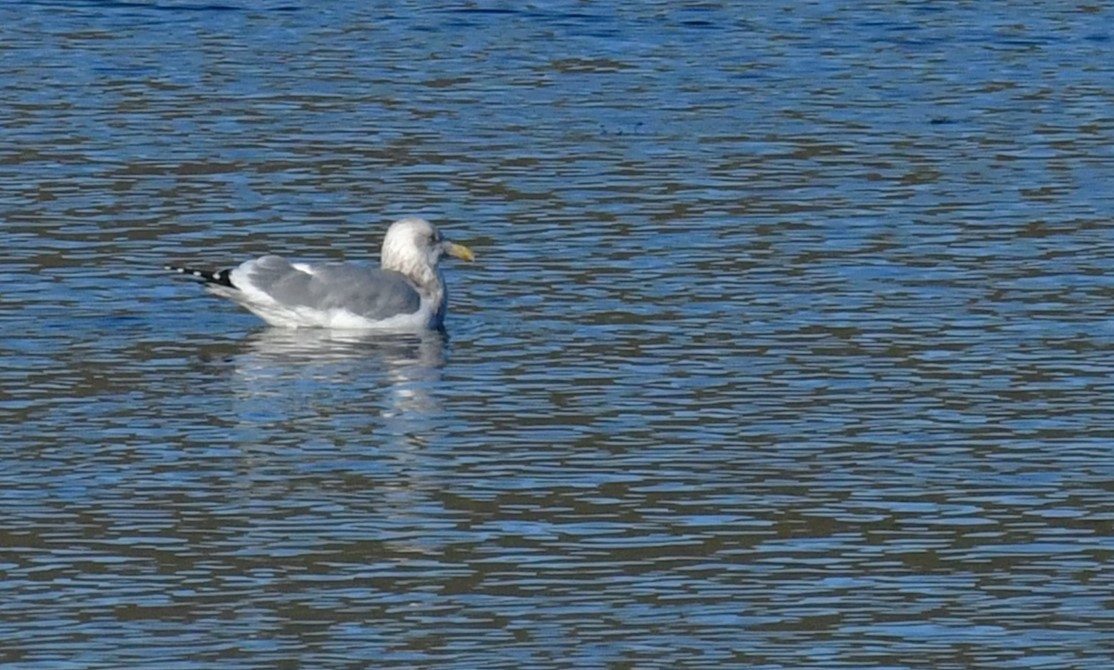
x: 788, y: 343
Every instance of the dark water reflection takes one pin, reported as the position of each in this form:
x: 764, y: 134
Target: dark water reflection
x: 786, y: 347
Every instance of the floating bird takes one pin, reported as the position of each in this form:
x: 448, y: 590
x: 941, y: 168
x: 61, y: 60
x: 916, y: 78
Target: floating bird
x: 406, y: 294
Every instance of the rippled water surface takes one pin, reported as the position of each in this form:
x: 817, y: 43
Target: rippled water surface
x: 788, y: 343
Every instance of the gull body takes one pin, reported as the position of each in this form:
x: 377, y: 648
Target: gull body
x: 406, y: 293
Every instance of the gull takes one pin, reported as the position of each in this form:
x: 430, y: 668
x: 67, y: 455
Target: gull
x: 406, y: 294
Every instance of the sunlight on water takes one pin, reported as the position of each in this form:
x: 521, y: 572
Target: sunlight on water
x: 786, y: 346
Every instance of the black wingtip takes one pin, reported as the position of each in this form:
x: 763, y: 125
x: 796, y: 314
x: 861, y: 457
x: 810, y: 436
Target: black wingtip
x: 220, y: 277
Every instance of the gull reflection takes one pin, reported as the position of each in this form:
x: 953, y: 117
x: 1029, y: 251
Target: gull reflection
x: 338, y: 435
x: 336, y: 373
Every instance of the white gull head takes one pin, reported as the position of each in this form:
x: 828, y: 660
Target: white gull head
x: 413, y: 247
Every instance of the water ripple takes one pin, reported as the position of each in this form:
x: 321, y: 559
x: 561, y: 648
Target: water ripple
x: 785, y: 347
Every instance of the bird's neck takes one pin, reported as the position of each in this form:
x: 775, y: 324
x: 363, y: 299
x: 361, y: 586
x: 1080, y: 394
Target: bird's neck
x: 424, y: 277
x: 430, y: 283
x: 434, y: 287
x: 427, y: 279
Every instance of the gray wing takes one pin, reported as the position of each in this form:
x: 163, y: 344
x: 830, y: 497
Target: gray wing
x: 369, y: 292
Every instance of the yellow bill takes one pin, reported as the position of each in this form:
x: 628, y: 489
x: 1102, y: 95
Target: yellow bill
x: 458, y: 251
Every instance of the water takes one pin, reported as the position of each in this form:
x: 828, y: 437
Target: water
x: 787, y: 344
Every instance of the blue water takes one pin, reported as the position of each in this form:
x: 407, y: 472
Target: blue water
x: 786, y: 345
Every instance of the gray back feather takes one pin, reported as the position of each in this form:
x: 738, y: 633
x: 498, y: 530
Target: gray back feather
x: 373, y: 293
